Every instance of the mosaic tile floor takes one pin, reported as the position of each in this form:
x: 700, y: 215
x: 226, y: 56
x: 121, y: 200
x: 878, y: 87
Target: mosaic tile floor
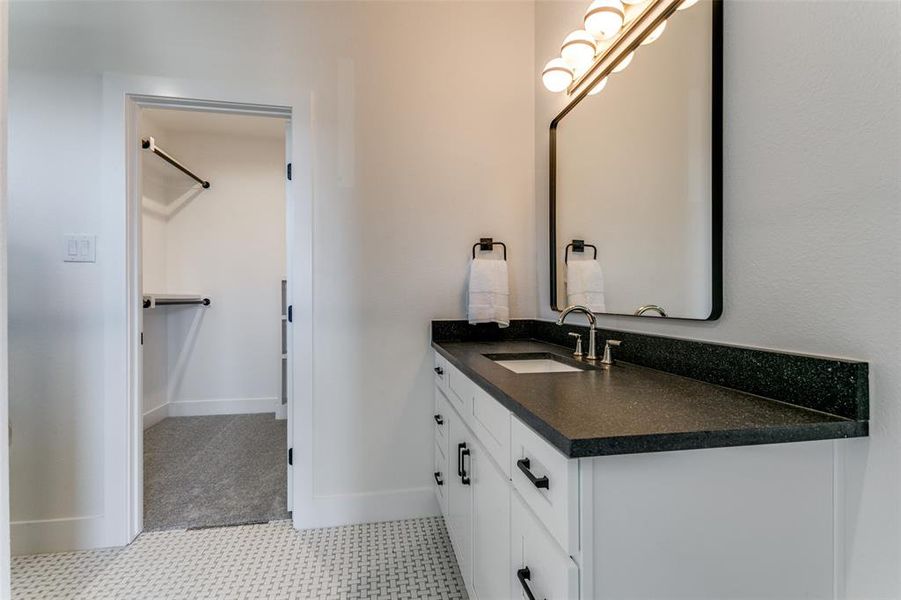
x: 394, y: 560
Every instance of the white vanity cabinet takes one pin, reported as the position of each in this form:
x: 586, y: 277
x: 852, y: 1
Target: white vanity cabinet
x: 708, y: 524
x: 488, y: 534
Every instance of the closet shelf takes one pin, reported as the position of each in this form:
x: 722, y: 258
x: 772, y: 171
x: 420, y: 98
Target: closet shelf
x: 154, y: 300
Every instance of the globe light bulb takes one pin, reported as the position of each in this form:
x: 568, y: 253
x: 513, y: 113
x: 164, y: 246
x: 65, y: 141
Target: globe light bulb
x: 557, y: 75
x: 621, y: 65
x: 604, y: 18
x: 578, y: 49
x: 658, y: 31
x: 598, y: 87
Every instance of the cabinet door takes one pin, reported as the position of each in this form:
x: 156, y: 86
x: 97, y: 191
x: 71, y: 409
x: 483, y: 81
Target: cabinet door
x: 490, y: 527
x: 539, y: 566
x: 459, y: 493
x: 440, y: 476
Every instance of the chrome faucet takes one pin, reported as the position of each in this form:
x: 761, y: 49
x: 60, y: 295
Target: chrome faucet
x: 649, y: 307
x: 592, y: 329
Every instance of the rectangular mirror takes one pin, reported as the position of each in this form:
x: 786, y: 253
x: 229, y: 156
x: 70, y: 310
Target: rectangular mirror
x: 636, y: 180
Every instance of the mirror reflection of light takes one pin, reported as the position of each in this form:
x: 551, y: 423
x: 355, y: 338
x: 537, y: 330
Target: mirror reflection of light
x: 621, y: 65
x: 597, y: 89
x: 578, y: 49
x: 687, y: 4
x: 557, y: 75
x: 604, y: 18
x: 658, y: 31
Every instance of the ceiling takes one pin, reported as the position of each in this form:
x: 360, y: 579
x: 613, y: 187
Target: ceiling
x: 158, y: 121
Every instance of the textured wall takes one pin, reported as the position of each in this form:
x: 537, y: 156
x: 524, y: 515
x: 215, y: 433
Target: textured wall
x: 812, y: 253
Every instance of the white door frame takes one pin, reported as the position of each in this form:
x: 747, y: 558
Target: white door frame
x: 4, y: 356
x: 119, y: 245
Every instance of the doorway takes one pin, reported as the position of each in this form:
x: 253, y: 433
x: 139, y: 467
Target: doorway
x: 211, y: 373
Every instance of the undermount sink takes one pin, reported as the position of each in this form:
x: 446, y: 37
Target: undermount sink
x: 534, y: 362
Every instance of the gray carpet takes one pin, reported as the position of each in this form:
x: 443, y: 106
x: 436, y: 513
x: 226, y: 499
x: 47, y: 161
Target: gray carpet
x: 214, y: 471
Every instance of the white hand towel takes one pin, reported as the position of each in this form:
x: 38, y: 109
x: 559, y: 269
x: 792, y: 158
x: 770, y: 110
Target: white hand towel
x: 585, y: 284
x: 489, y: 292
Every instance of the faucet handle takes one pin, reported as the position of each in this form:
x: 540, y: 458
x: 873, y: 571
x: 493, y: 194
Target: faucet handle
x: 578, y: 352
x: 607, y: 360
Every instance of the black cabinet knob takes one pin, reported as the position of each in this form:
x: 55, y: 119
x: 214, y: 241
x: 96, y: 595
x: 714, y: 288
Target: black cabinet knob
x: 439, y: 419
x: 438, y: 478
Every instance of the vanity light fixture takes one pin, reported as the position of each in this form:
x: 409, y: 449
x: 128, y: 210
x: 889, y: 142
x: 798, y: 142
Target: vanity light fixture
x: 621, y: 65
x: 654, y: 35
x: 599, y: 87
x: 578, y: 49
x: 557, y: 75
x: 612, y: 30
x: 605, y: 18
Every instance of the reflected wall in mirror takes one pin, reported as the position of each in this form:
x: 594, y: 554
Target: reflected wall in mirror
x: 636, y: 173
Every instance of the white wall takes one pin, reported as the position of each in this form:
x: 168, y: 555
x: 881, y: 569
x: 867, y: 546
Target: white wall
x: 56, y: 321
x: 155, y: 364
x: 423, y: 141
x: 227, y: 243
x: 812, y: 252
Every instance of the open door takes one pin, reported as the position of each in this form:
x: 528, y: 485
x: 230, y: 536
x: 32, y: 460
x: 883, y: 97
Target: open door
x: 287, y: 355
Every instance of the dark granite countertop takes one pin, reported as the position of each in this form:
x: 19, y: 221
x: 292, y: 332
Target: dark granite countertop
x: 632, y: 409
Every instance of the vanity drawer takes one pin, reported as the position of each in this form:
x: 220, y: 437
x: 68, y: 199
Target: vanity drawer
x: 441, y: 373
x: 439, y: 479
x: 490, y: 421
x: 459, y: 392
x: 548, y: 483
x: 537, y: 562
x: 439, y: 420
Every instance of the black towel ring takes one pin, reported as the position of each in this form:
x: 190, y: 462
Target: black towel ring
x: 487, y: 245
x: 579, y: 246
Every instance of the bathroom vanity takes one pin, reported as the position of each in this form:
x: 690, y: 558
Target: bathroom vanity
x: 569, y: 480
x: 687, y: 470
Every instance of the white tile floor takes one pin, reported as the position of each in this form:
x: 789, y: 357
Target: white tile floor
x: 399, y: 559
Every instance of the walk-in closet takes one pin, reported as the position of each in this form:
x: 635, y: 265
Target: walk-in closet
x: 214, y: 362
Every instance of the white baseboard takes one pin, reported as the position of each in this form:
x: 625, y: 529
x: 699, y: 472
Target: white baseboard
x: 152, y: 417
x: 281, y: 411
x: 232, y: 406
x: 353, y: 509
x: 57, y: 535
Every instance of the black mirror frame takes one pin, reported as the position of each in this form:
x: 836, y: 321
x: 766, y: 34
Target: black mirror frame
x: 716, y: 172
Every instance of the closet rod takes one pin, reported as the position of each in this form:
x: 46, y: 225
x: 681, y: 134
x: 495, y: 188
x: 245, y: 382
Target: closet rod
x: 148, y: 303
x: 150, y: 144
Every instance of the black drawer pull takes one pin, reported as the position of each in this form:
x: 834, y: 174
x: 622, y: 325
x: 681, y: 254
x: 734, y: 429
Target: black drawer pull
x: 523, y: 575
x: 464, y: 476
x: 438, y: 479
x: 439, y: 371
x: 539, y: 482
x: 460, y: 447
x: 439, y: 419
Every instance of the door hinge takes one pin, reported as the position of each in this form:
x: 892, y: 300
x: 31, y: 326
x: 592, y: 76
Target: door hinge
x: 289, y: 171
x: 291, y: 313
x: 290, y: 456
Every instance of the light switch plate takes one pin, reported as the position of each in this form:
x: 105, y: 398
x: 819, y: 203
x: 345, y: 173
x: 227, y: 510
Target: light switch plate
x: 80, y: 248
